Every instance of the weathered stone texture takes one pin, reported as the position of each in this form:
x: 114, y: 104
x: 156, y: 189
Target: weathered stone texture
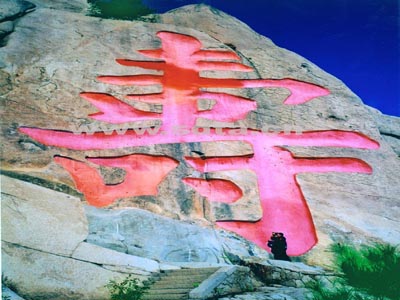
x: 45, y: 65
x: 43, y: 253
x: 389, y: 128
x: 40, y: 275
x: 42, y: 219
x: 142, y: 233
x: 12, y: 9
x: 9, y: 294
x: 227, y: 280
x: 67, y: 5
x: 106, y: 257
x: 275, y: 292
x: 292, y: 274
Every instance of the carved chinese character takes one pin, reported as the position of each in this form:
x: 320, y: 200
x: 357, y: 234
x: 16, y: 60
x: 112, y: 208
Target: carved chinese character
x: 143, y: 174
x: 180, y: 61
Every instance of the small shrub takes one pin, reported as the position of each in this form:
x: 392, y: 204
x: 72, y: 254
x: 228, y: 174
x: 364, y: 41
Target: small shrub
x: 128, y: 289
x: 118, y: 9
x: 339, y: 292
x: 370, y: 273
x: 374, y: 269
x: 320, y: 292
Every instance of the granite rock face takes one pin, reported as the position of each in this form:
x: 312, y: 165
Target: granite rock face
x: 10, y: 12
x: 141, y: 233
x: 46, y: 65
x: 12, y: 9
x: 42, y: 219
x: 389, y: 128
x: 290, y: 274
x: 9, y: 294
x: 44, y: 255
x: 78, y: 6
x: 273, y: 293
x: 41, y: 275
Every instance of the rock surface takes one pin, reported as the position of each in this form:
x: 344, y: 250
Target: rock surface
x: 289, y: 274
x: 42, y: 76
x: 225, y: 281
x: 79, y: 6
x: 42, y: 219
x: 106, y: 257
x: 12, y: 9
x: 43, y: 253
x: 9, y: 294
x: 389, y: 128
x: 41, y: 275
x: 145, y: 234
x: 273, y: 293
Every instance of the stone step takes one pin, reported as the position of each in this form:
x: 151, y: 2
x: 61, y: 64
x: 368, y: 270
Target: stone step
x: 178, y: 285
x: 169, y: 291
x: 177, y: 278
x: 166, y: 297
x: 192, y: 271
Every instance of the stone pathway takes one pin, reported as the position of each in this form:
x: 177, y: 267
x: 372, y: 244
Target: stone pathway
x: 276, y: 292
x: 176, y: 284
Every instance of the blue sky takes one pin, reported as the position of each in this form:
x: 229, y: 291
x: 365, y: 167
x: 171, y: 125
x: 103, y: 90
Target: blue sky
x: 357, y: 41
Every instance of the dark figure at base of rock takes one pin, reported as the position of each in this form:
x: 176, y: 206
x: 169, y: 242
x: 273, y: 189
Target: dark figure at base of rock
x: 278, y: 245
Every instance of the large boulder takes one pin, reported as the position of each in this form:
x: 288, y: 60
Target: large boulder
x: 48, y: 64
x: 115, y: 260
x: 389, y: 128
x: 39, y: 275
x: 36, y: 217
x: 44, y: 255
x: 145, y: 234
x: 67, y: 5
x: 12, y: 9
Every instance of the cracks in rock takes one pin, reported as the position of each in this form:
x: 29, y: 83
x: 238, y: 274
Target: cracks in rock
x: 336, y: 118
x: 103, y: 266
x: 258, y: 75
x: 14, y: 204
x: 25, y: 8
x: 80, y: 34
x: 38, y: 250
x: 243, y: 57
x: 396, y: 136
x: 31, y: 145
x: 58, y: 187
x: 387, y: 218
x: 309, y: 70
x: 391, y: 143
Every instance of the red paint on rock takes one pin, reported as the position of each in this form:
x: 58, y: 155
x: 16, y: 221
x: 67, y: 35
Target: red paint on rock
x: 283, y: 204
x: 218, y: 190
x: 115, y: 111
x: 143, y: 174
x: 180, y: 61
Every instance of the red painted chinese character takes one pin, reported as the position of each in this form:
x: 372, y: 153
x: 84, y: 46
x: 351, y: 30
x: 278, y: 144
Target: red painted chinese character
x: 283, y: 204
x: 180, y: 61
x: 143, y: 174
